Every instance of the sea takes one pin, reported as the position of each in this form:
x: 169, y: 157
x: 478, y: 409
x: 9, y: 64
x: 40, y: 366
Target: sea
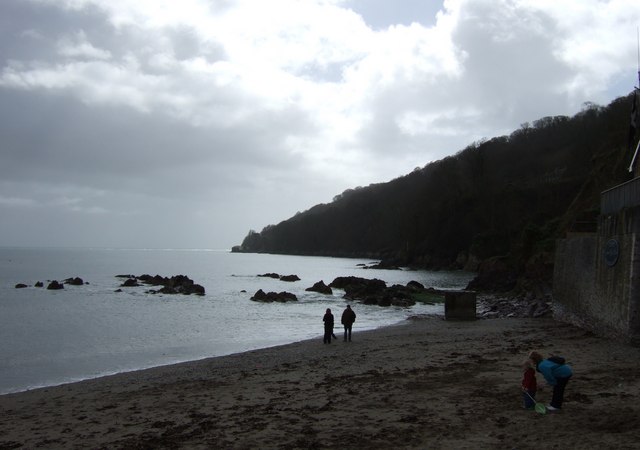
x: 53, y: 337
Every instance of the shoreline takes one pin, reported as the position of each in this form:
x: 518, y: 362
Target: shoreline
x: 177, y: 365
x: 424, y: 382
x: 107, y: 374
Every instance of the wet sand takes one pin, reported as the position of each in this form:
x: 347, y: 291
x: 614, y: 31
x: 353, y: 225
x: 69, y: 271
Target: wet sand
x: 427, y: 383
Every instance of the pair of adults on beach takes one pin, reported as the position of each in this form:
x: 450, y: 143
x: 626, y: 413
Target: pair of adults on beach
x: 556, y: 373
x: 348, y: 317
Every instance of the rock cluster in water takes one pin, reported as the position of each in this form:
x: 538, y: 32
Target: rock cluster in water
x: 281, y: 297
x: 376, y: 292
x: 321, y: 288
x: 280, y: 277
x: 371, y: 292
x: 55, y: 285
x: 177, y: 284
x: 269, y: 297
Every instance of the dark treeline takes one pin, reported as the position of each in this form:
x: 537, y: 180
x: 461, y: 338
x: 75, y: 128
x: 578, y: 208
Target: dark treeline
x: 509, y: 197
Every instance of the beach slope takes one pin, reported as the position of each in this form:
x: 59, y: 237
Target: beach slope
x: 426, y: 383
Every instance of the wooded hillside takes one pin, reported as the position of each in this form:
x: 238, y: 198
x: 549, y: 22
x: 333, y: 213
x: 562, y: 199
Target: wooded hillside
x: 509, y: 196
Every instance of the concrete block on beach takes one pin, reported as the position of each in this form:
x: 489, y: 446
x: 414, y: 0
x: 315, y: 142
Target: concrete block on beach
x: 460, y: 305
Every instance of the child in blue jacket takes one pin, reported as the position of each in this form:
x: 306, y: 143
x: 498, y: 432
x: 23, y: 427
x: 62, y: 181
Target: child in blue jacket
x: 556, y: 373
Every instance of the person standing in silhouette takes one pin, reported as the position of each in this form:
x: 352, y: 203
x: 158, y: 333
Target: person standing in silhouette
x: 328, y: 326
x: 348, y: 317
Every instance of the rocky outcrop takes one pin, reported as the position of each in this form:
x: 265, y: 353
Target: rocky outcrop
x: 383, y: 265
x: 358, y: 284
x: 270, y: 275
x: 195, y: 289
x: 509, y: 289
x: 261, y: 296
x: 280, y: 277
x: 55, y: 285
x: 415, y: 285
x: 130, y: 282
x: 494, y: 306
x: 177, y: 284
x: 289, y: 278
x: 376, y: 292
x: 494, y: 275
x: 321, y: 288
x: 76, y: 281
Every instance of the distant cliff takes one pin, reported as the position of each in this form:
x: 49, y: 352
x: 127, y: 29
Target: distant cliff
x: 509, y: 197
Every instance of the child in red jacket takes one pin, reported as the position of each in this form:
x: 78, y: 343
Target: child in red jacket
x: 529, y: 385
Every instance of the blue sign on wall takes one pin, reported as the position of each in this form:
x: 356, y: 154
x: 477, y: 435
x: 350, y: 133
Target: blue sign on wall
x: 611, y: 252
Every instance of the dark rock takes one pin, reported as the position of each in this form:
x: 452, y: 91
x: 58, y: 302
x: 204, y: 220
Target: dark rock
x: 21, y: 286
x: 415, y: 285
x: 167, y: 290
x: 376, y: 292
x: 491, y: 306
x: 39, y: 284
x: 181, y: 284
x: 130, y: 282
x: 494, y: 275
x: 345, y: 282
x: 184, y: 285
x: 155, y: 280
x: 197, y: 289
x: 270, y: 275
x: 54, y: 285
x: 542, y: 310
x: 289, y: 278
x: 384, y: 265
x: 177, y: 284
x: 321, y: 288
x: 362, y: 289
x: 118, y: 290
x: 261, y: 296
x: 77, y: 281
x: 398, y: 295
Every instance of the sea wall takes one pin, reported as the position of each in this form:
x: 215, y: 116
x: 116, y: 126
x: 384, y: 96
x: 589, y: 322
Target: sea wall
x: 596, y: 277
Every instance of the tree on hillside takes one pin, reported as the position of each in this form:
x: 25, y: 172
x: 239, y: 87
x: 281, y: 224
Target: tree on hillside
x: 510, y: 195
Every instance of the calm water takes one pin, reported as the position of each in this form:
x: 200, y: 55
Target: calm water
x: 54, y: 337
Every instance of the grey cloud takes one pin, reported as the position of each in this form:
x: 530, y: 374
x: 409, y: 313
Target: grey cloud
x: 511, y: 68
x: 108, y: 136
x: 380, y: 14
x: 54, y: 137
x: 510, y: 75
x: 30, y: 30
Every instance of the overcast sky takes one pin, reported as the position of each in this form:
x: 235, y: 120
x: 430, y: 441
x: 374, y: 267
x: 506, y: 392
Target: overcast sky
x: 183, y: 124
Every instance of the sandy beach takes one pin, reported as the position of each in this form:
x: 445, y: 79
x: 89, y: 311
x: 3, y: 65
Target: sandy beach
x: 426, y: 383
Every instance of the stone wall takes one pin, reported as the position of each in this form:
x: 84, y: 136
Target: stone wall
x: 597, y: 276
